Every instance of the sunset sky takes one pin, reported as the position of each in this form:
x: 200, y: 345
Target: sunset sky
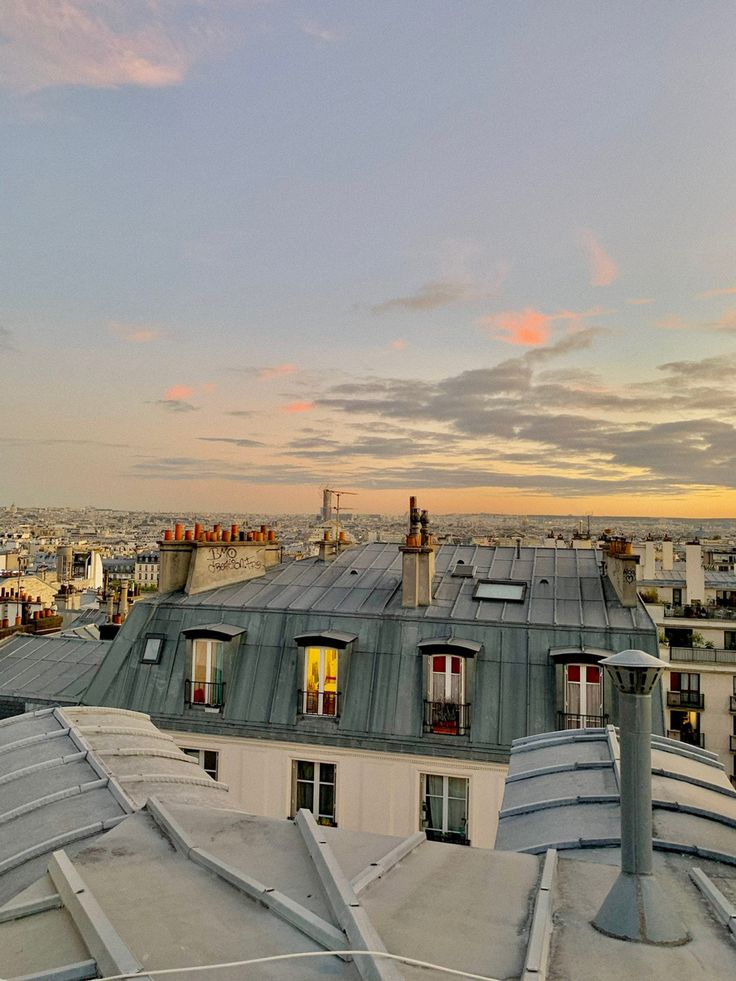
x: 480, y: 251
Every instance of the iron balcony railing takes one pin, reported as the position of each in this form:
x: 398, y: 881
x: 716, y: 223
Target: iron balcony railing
x: 318, y: 702
x: 700, y: 612
x: 686, y: 700
x: 204, y: 694
x: 450, y: 718
x: 569, y: 720
x: 704, y: 655
x: 691, y: 738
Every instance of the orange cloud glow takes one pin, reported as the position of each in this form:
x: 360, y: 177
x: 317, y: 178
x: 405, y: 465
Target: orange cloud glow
x: 726, y: 291
x: 134, y: 333
x: 177, y: 392
x: 298, y: 407
x: 527, y: 328
x: 398, y: 345
x: 674, y: 322
x: 603, y: 270
x: 277, y: 371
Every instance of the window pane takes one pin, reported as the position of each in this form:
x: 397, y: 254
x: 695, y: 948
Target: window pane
x: 438, y: 663
x: 457, y: 787
x: 210, y: 763
x: 593, y: 675
x: 304, y: 770
x: 326, y: 800
x: 304, y: 795
x: 327, y: 772
x: 456, y: 815
x: 330, y: 670
x: 199, y: 661
x: 674, y: 680
x: 313, y: 668
x: 434, y: 785
x: 573, y: 672
x: 456, y: 665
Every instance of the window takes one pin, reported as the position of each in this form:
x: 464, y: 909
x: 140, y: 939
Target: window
x: 208, y: 759
x: 152, y: 647
x: 509, y: 592
x: 684, y: 690
x: 314, y: 789
x: 205, y: 687
x: 445, y: 710
x: 729, y: 640
x: 445, y: 808
x: 685, y: 726
x: 583, y: 697
x: 319, y: 696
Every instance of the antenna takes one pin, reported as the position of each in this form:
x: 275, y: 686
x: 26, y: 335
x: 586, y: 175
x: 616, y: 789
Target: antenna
x: 338, y: 494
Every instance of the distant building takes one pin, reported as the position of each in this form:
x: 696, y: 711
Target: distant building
x: 146, y: 569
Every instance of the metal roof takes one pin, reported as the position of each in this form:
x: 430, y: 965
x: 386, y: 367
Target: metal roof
x: 562, y: 792
x: 67, y: 775
x: 564, y: 587
x: 49, y: 669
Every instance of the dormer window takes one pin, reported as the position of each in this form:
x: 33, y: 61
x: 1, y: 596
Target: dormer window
x: 446, y: 703
x: 319, y: 696
x: 321, y: 669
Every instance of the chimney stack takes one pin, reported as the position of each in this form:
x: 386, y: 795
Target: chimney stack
x: 621, y: 570
x: 417, y: 568
x: 694, y: 575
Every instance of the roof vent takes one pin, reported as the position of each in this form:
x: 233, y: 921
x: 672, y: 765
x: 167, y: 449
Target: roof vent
x: 463, y: 571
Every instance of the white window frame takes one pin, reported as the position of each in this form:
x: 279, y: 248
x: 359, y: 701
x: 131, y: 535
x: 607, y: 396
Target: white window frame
x: 199, y: 756
x: 215, y: 651
x: 447, y: 696
x: 445, y: 804
x: 583, y: 710
x: 316, y: 782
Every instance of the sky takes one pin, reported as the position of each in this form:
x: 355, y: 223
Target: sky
x: 482, y: 252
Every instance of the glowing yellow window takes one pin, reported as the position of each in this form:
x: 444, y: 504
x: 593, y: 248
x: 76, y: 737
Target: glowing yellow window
x: 320, y: 681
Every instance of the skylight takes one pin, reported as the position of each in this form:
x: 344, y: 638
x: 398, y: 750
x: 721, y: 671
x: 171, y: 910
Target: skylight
x: 508, y: 592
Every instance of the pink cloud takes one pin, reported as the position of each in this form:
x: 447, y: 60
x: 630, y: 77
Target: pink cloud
x: 726, y: 291
x: 398, y: 345
x: 638, y: 301
x: 674, y: 322
x: 527, y: 327
x: 298, y: 407
x: 101, y: 45
x: 178, y: 392
x: 727, y: 322
x: 277, y: 371
x: 136, y: 334
x: 603, y: 270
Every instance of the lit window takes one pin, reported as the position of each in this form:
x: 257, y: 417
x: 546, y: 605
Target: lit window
x: 208, y: 759
x: 583, y: 696
x: 314, y: 789
x: 205, y: 687
x: 508, y: 592
x: 319, y: 696
x: 445, y: 808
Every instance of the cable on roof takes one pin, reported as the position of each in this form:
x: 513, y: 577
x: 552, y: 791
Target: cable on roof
x: 412, y: 961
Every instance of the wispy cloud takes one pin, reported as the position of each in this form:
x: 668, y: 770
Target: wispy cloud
x: 725, y: 291
x: 325, y: 34
x: 726, y: 323
x: 102, y: 43
x: 136, y: 333
x: 673, y: 322
x: 177, y: 405
x: 603, y: 270
x: 277, y: 371
x: 431, y: 296
x: 233, y: 441
x: 638, y: 301
x: 398, y: 345
x: 293, y: 407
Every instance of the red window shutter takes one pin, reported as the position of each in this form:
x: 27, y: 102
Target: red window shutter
x: 674, y: 680
x: 438, y: 664
x: 593, y: 676
x: 573, y: 672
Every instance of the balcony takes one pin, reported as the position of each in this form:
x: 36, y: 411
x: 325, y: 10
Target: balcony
x: 692, y: 738
x: 685, y: 700
x: 318, y: 703
x: 568, y: 720
x: 699, y: 612
x: 449, y: 718
x: 702, y: 655
x: 204, y: 694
